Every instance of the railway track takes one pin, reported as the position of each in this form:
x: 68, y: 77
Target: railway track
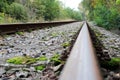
x: 11, y: 28
x: 81, y: 60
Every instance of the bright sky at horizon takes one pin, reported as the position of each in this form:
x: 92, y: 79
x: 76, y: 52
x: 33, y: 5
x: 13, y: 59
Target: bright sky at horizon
x: 71, y: 3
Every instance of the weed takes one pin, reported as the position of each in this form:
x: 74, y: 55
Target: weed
x: 55, y: 59
x: 21, y: 60
x: 66, y: 44
x: 54, y: 34
x: 19, y: 33
x: 113, y: 64
x: 42, y: 58
x: 41, y: 67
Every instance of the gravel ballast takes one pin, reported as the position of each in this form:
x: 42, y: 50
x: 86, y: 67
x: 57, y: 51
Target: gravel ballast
x: 44, y: 42
x: 111, y: 49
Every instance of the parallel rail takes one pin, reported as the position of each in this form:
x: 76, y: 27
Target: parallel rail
x: 11, y: 28
x: 82, y: 63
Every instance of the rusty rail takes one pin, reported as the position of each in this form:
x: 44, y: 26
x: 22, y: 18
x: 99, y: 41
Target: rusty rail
x: 11, y: 28
x: 82, y: 63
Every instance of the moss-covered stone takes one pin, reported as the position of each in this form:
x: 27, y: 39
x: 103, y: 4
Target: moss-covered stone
x: 54, y: 34
x: 113, y: 64
x: 66, y: 44
x: 22, y: 60
x: 42, y: 58
x: 41, y: 67
x: 19, y: 33
x: 56, y: 59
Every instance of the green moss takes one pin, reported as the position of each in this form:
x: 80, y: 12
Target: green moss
x: 15, y: 60
x: 66, y: 44
x: 98, y: 34
x: 55, y: 59
x: 114, y: 61
x: 56, y: 55
x: 41, y: 67
x: 113, y: 64
x: 19, y: 33
x: 42, y: 58
x: 21, y: 60
x: 54, y: 34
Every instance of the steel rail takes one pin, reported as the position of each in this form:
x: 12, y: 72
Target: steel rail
x: 11, y: 28
x: 82, y: 63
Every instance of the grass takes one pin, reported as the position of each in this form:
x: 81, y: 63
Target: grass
x: 41, y: 67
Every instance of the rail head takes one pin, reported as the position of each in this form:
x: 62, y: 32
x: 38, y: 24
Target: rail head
x: 82, y: 63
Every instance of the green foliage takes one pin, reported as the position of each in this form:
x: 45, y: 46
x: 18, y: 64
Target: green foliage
x: 55, y: 59
x: 26, y: 59
x: 70, y: 13
x: 4, y: 18
x: 51, y: 9
x: 41, y: 67
x: 1, y: 17
x: 3, y: 6
x: 66, y: 44
x: 38, y: 8
x: 54, y: 34
x: 10, y: 1
x: 19, y: 33
x: 42, y: 58
x: 21, y: 60
x: 35, y: 10
x: 104, y: 13
x: 18, y: 11
x: 113, y: 64
x: 118, y: 2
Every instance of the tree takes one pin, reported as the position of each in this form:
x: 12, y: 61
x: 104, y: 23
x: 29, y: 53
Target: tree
x: 105, y: 13
x: 38, y: 8
x: 52, y: 9
x: 18, y: 11
x: 3, y: 6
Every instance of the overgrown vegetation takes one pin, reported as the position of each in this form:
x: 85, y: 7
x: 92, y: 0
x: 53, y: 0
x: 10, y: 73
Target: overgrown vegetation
x: 34, y: 11
x: 29, y: 60
x: 41, y: 67
x: 42, y: 58
x: 21, y: 60
x: 26, y: 59
x: 19, y: 33
x: 56, y: 59
x: 113, y: 64
x: 105, y: 13
x: 66, y: 44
